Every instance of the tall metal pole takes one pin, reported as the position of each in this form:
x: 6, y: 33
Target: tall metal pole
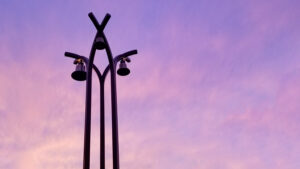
x: 102, y: 124
x: 112, y: 68
x: 88, y: 104
x: 115, y: 135
x: 101, y: 79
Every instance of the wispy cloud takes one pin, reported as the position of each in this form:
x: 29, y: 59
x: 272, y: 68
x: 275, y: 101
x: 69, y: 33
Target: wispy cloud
x: 215, y: 84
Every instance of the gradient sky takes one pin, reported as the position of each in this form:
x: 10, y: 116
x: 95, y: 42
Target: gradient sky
x: 216, y: 83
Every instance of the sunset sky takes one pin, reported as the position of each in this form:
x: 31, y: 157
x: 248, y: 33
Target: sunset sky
x: 215, y: 85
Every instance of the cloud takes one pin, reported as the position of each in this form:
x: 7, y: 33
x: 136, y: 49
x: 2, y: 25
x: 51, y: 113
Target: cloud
x: 210, y: 88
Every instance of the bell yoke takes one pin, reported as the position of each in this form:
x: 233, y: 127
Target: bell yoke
x: 81, y: 74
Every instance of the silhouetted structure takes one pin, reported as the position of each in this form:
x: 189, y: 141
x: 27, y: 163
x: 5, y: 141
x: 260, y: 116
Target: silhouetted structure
x: 100, y: 42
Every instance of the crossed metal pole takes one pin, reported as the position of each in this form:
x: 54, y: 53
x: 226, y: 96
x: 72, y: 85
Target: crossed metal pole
x: 100, y: 42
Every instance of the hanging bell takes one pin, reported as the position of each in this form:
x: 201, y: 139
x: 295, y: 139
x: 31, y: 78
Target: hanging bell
x: 99, y: 43
x: 123, y: 70
x: 79, y: 74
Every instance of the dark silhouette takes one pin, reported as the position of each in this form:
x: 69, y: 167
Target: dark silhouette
x: 100, y: 42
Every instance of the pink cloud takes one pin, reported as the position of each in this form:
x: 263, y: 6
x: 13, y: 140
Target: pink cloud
x: 200, y: 95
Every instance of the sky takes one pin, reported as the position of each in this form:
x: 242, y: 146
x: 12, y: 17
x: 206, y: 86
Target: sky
x: 215, y: 84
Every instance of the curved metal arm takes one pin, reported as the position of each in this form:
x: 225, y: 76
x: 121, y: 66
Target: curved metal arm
x: 125, y: 55
x: 86, y: 61
x: 99, y: 27
x: 75, y: 56
x: 117, y: 59
x: 94, y: 20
